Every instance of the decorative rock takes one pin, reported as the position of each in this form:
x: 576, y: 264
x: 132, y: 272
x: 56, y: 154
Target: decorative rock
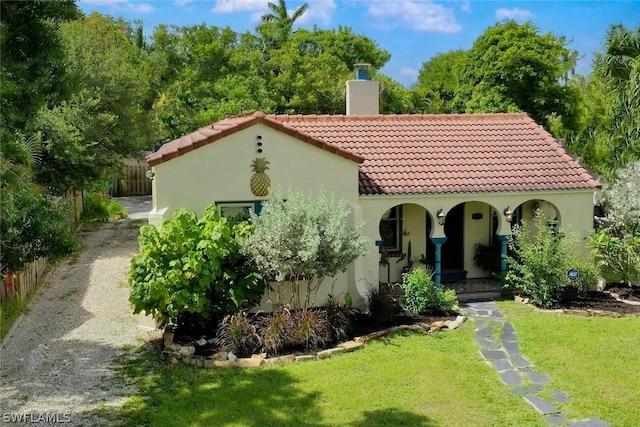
x: 187, y: 350
x: 351, y: 346
x: 164, y: 355
x: 232, y: 357
x: 173, y: 361
x: 538, y: 378
x: 519, y: 299
x: 454, y: 325
x: 289, y: 358
x: 324, y: 354
x: 305, y: 357
x: 221, y: 355
x: 175, y: 355
x: 201, y: 342
x: 461, y: 319
x: 251, y: 362
x: 435, y: 326
x: 259, y: 356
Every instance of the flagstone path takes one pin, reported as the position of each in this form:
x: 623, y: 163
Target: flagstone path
x: 499, y: 347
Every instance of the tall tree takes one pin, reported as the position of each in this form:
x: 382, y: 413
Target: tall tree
x: 277, y: 25
x: 439, y: 82
x: 620, y: 67
x: 511, y: 67
x: 32, y: 68
x: 107, y: 117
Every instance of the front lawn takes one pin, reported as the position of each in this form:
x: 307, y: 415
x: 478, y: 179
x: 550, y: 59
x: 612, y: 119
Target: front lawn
x: 408, y: 379
x: 595, y: 360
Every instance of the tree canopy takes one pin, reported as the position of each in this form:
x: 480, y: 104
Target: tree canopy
x: 511, y: 67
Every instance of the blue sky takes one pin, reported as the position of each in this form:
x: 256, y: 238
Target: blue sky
x: 412, y: 31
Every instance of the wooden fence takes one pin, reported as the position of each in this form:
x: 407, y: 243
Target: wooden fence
x: 133, y: 180
x: 24, y: 282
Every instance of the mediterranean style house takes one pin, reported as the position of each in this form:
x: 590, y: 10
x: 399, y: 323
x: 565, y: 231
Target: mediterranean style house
x: 439, y: 189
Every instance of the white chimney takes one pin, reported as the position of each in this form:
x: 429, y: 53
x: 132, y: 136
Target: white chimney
x: 363, y: 94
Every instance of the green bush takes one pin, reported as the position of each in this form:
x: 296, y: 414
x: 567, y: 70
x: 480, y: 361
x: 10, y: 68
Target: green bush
x: 33, y: 225
x: 616, y: 245
x: 422, y: 294
x: 100, y: 207
x: 540, y: 259
x: 302, y: 240
x: 193, y: 266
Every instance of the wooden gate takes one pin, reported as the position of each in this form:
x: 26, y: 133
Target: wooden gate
x: 133, y: 181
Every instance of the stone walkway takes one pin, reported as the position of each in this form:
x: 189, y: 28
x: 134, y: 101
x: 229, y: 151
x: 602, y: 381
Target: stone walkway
x: 499, y: 347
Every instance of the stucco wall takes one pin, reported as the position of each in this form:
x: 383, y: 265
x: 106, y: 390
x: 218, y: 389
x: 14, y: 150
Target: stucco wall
x: 575, y: 210
x: 221, y: 172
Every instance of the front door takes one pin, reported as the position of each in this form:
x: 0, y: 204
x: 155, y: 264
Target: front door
x: 453, y: 249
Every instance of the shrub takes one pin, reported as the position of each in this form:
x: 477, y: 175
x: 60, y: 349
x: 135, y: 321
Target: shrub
x: 616, y: 245
x: 338, y: 317
x: 32, y: 226
x: 382, y: 308
x: 422, y: 294
x: 100, y: 207
x: 302, y: 239
x: 311, y: 328
x: 541, y: 258
x: 238, y: 334
x: 193, y: 266
x: 274, y: 330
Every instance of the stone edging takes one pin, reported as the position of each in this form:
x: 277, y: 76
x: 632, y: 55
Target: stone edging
x: 585, y: 312
x: 174, y: 353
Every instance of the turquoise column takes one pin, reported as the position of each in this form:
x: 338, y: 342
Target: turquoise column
x: 503, y: 253
x: 438, y: 242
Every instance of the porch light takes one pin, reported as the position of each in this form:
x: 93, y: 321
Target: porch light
x: 508, y: 214
x: 441, y: 216
x: 150, y: 174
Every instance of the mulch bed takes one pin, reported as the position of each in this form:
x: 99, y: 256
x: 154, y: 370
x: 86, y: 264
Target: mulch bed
x: 606, y: 301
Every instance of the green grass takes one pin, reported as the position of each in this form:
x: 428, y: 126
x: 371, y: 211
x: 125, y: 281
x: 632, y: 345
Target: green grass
x: 596, y: 360
x: 99, y: 207
x: 11, y: 308
x: 408, y: 379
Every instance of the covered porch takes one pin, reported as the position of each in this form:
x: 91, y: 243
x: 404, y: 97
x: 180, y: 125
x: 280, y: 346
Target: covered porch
x: 462, y: 239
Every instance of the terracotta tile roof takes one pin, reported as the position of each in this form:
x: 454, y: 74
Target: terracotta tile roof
x: 424, y: 154
x: 456, y: 153
x: 225, y: 127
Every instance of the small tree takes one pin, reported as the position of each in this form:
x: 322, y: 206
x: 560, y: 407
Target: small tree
x: 616, y: 245
x: 541, y: 258
x: 302, y: 239
x: 193, y: 267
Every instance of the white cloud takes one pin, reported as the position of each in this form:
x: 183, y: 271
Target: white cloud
x: 420, y: 16
x: 515, y: 13
x: 120, y: 5
x: 104, y: 2
x: 408, y: 72
x: 319, y: 11
x: 466, y: 6
x: 229, y: 6
x: 141, y: 7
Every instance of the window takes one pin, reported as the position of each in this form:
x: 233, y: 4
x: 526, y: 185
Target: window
x: 237, y: 212
x: 390, y: 229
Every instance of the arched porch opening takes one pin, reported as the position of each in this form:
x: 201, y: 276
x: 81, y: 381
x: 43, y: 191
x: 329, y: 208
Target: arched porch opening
x: 525, y: 213
x: 405, y: 231
x: 473, y: 247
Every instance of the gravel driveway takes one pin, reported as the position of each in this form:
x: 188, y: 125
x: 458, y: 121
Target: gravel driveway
x: 57, y: 360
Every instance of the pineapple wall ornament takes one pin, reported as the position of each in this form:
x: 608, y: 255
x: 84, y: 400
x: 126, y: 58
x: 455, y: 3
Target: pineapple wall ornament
x: 260, y: 181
